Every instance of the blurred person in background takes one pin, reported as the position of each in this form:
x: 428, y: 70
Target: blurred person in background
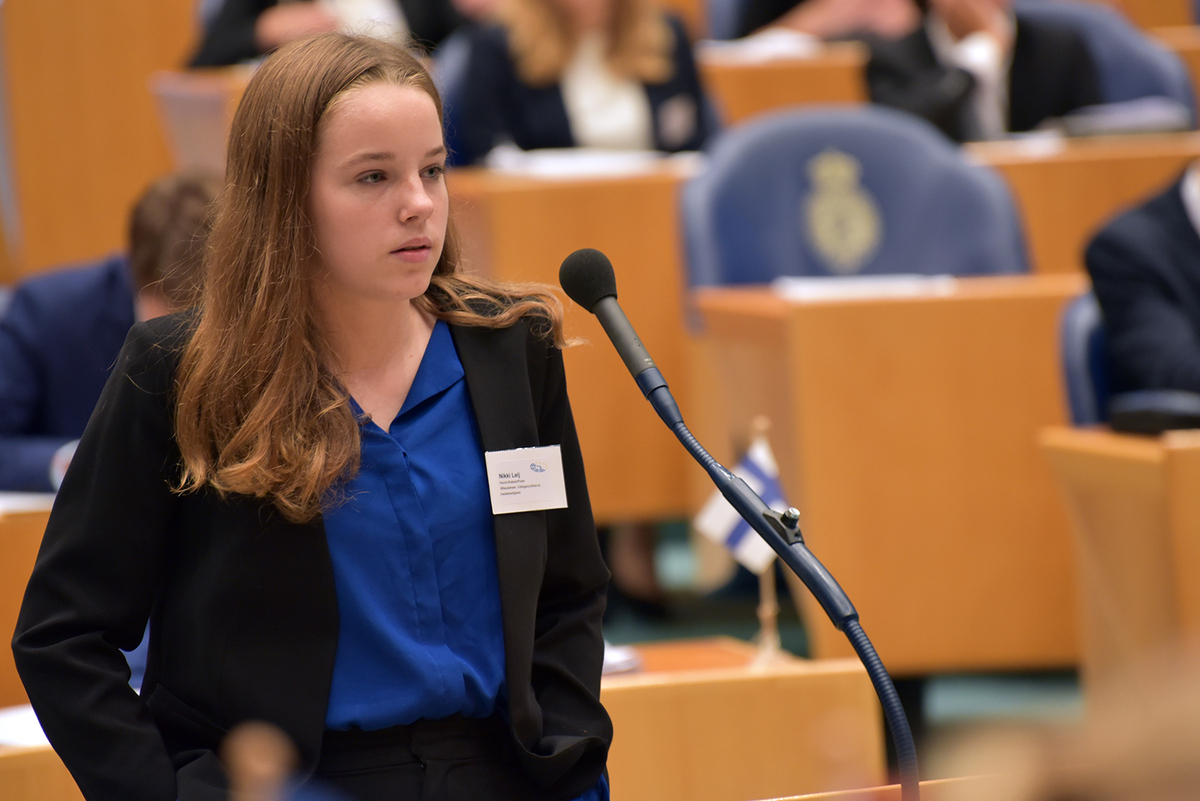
x: 60, y: 335
x: 974, y: 68
x: 615, y: 74
x: 1145, y: 269
x: 979, y: 71
x: 241, y: 30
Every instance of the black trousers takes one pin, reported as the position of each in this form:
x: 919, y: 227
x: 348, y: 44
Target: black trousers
x: 455, y: 759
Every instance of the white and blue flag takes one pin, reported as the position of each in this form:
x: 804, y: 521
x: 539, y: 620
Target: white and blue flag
x: 720, y: 522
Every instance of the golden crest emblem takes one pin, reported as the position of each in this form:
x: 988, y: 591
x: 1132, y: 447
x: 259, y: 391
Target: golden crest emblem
x: 842, y: 219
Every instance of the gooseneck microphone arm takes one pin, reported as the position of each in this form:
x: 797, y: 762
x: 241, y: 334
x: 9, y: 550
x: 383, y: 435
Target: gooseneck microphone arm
x: 588, y: 279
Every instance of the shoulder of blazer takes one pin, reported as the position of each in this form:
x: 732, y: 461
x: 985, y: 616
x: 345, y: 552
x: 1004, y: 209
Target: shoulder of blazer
x: 505, y: 370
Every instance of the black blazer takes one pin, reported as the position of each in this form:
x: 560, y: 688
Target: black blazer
x: 1052, y: 74
x: 242, y: 605
x: 229, y: 38
x: 1145, y: 268
x: 491, y: 104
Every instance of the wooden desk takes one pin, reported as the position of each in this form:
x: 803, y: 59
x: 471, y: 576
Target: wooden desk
x: 905, y: 433
x: 965, y: 789
x: 83, y: 138
x: 1154, y: 13
x: 836, y: 75
x: 701, y: 725
x: 35, y: 774
x: 1136, y: 513
x: 20, y: 537
x: 1067, y: 191
x: 520, y: 229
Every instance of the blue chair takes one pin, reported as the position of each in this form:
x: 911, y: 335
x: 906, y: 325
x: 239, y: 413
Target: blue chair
x: 1090, y: 398
x: 844, y: 191
x: 1085, y: 361
x: 1131, y: 65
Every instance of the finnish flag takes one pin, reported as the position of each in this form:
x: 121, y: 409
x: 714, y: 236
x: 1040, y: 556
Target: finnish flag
x: 720, y: 522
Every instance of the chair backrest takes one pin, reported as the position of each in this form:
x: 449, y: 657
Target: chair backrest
x: 1131, y: 65
x: 844, y: 191
x: 1085, y: 361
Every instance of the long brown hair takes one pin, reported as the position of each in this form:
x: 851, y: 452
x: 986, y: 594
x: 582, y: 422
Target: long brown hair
x: 258, y: 411
x: 542, y: 41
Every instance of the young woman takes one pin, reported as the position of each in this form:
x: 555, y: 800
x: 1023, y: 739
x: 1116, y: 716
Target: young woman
x: 290, y: 483
x: 615, y: 74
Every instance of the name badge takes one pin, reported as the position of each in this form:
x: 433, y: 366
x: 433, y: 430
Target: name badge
x: 526, y: 479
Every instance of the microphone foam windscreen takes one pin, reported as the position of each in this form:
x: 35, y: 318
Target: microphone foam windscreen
x: 587, y: 276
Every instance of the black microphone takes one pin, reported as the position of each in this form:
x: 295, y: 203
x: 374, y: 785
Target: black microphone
x: 587, y: 278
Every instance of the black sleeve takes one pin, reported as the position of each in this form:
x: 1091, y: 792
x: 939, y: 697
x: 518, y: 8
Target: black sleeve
x: 430, y: 21
x: 687, y: 76
x: 1083, y: 85
x: 901, y: 75
x: 568, y: 643
x: 94, y: 584
x: 229, y: 39
x: 475, y: 106
x: 1152, y: 342
x: 761, y: 13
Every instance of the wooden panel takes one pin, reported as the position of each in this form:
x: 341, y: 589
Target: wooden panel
x: 835, y: 75
x: 1136, y: 516
x: 734, y: 733
x: 8, y: 271
x: 905, y: 431
x: 35, y: 774
x: 520, y: 229
x: 20, y: 537
x: 1067, y: 190
x: 85, y: 138
x: 1153, y: 13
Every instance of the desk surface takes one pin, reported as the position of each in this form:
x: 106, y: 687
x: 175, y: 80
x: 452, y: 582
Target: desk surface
x: 905, y: 431
x: 699, y: 699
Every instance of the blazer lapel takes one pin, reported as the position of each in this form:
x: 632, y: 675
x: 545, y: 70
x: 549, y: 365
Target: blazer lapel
x: 498, y: 382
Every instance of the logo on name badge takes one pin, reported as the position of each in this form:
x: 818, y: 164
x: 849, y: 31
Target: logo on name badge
x: 537, y: 467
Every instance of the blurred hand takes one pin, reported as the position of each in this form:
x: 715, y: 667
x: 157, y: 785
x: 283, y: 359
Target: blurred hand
x: 287, y: 22
x: 829, y: 19
x: 965, y: 17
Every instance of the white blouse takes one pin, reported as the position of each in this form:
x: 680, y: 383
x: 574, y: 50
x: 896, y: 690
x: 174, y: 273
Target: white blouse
x: 604, y: 110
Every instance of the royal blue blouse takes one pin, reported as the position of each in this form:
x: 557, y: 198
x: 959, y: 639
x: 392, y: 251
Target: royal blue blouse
x: 414, y: 561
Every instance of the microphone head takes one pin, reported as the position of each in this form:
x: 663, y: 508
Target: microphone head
x: 587, y: 277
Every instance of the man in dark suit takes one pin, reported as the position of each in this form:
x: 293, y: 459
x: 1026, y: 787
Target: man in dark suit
x: 1145, y: 268
x: 244, y: 29
x: 973, y: 68
x: 978, y: 71
x: 62, y: 331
